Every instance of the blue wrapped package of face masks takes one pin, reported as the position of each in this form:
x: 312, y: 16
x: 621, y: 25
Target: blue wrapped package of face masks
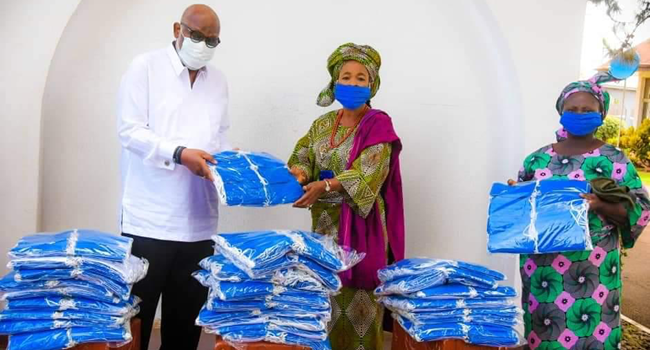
x: 250, y: 250
x: 80, y: 243
x: 253, y: 179
x: 222, y: 269
x: 230, y: 291
x: 289, y: 278
x: 218, y: 305
x: 399, y: 303
x: 264, y: 249
x: 31, y: 326
x: 328, y: 278
x: 417, y: 266
x: 69, y: 337
x: 459, y: 291
x: 437, y: 276
x: 422, y: 318
x: 57, y: 303
x: 130, y: 271
x: 546, y: 216
x: 272, y: 333
x: 36, y: 279
x: 103, y: 319
x: 66, y: 288
x: 207, y: 317
x: 318, y: 301
x: 511, y: 312
x: 495, y: 336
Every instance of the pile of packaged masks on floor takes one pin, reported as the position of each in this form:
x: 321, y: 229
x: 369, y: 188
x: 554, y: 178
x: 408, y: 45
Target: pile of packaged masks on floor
x: 253, y: 180
x: 443, y: 299
x: 70, y: 288
x: 273, y: 286
x: 539, y: 217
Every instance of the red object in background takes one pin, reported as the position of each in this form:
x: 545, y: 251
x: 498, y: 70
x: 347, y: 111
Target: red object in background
x: 132, y: 345
x: 223, y: 345
x: 403, y: 341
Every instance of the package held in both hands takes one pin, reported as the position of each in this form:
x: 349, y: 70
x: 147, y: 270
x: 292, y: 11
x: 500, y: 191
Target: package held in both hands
x: 547, y: 216
x: 253, y: 180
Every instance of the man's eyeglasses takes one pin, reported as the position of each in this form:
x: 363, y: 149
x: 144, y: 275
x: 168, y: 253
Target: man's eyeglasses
x: 198, y: 37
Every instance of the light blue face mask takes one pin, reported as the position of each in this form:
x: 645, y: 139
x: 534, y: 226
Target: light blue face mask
x: 581, y: 124
x: 351, y: 96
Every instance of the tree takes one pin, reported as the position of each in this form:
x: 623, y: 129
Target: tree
x: 638, y: 144
x: 624, y: 30
x: 608, y: 132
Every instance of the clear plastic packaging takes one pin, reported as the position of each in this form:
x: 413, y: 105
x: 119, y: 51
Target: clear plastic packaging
x: 253, y: 179
x: 546, y: 216
x: 100, y: 319
x: 65, y: 288
x: 57, y: 303
x: 328, y: 278
x: 250, y: 250
x: 437, y: 276
x: 223, y: 270
x: 231, y: 291
x: 399, y: 303
x: 290, y: 278
x: 495, y: 336
x: 474, y: 320
x: 79, y: 243
x: 69, y: 337
x: 424, y: 316
x: 37, y: 279
x: 273, y: 333
x: 130, y: 271
x: 265, y: 250
x: 30, y: 326
x: 417, y: 266
x: 459, y: 291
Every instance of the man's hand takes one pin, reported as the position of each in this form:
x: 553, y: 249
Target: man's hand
x: 196, y: 160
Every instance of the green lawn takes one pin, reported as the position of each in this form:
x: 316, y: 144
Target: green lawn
x: 645, y: 177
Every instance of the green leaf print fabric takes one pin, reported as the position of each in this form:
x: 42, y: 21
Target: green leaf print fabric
x: 572, y: 299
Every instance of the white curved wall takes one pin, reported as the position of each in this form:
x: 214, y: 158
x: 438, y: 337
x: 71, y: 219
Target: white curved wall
x: 470, y: 85
x: 30, y: 33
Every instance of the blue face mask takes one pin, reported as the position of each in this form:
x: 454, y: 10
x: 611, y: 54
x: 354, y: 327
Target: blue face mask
x: 581, y: 124
x: 351, y: 96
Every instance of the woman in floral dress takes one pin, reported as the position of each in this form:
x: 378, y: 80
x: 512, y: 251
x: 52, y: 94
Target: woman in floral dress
x: 572, y: 300
x: 349, y: 164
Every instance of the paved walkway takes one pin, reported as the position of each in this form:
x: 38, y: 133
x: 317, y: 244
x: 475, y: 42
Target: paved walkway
x: 636, y: 281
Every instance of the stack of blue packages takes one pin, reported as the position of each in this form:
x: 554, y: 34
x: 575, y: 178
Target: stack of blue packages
x: 69, y: 288
x: 442, y: 299
x: 548, y: 216
x: 273, y: 286
x: 253, y: 180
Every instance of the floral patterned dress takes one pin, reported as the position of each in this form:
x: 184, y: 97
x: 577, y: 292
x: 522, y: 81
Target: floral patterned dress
x: 356, y: 316
x: 572, y: 300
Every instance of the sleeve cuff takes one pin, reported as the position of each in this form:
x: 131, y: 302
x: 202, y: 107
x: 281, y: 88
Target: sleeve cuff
x: 167, y: 155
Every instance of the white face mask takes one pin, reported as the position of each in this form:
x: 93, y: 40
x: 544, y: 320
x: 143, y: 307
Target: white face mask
x: 194, y: 55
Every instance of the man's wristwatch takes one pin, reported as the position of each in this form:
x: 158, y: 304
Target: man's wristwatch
x: 177, y: 154
x: 328, y: 185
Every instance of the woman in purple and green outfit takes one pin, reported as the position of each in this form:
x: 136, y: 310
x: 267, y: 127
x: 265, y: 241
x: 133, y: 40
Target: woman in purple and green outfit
x: 348, y: 163
x: 572, y: 300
